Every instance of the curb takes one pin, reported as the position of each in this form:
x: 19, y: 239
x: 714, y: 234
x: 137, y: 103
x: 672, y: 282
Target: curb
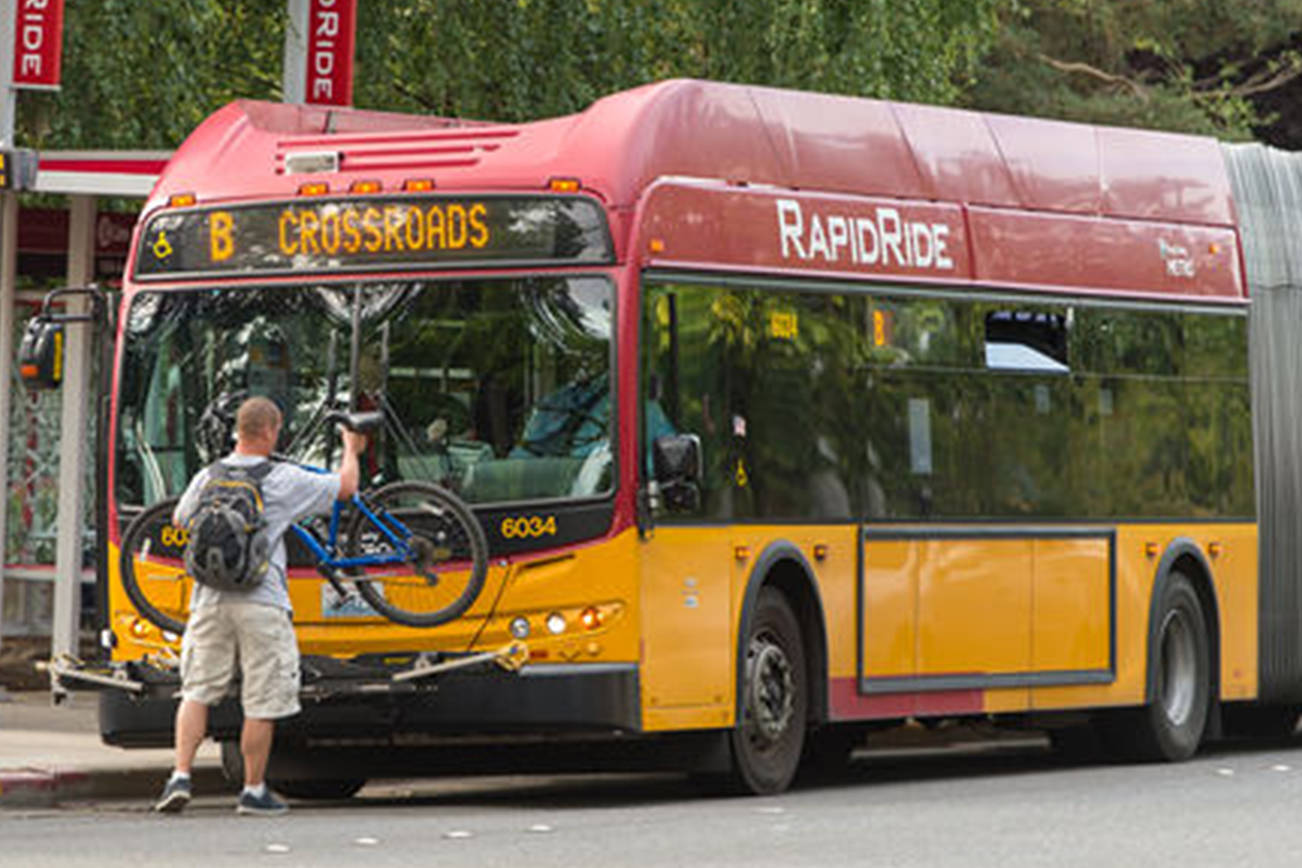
x: 43, y: 788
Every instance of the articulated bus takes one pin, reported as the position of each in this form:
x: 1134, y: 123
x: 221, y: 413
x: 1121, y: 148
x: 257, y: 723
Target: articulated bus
x: 786, y: 417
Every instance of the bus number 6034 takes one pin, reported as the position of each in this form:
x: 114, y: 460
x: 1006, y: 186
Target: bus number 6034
x: 528, y: 526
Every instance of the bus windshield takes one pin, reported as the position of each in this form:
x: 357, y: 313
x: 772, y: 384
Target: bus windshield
x: 497, y: 389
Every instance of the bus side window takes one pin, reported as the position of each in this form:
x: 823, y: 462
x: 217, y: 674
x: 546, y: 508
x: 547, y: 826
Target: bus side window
x: 1026, y: 341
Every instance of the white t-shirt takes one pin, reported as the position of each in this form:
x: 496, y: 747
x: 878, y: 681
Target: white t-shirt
x: 289, y: 493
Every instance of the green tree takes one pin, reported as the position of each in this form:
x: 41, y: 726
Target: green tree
x: 515, y: 60
x: 1203, y: 66
x: 143, y: 75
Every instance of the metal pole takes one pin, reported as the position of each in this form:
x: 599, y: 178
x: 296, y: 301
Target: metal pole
x: 8, y: 254
x: 72, y: 430
x: 8, y: 290
x: 8, y: 94
x: 295, y: 72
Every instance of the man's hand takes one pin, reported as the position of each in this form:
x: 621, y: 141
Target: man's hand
x: 349, y: 472
x: 354, y: 442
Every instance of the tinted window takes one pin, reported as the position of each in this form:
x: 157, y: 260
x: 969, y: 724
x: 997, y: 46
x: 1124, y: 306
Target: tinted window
x: 816, y: 405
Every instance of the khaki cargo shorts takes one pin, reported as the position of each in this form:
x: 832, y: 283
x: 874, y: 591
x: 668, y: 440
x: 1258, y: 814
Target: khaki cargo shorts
x: 257, y: 638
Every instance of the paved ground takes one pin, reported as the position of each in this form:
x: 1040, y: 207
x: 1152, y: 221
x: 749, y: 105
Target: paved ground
x: 991, y: 805
x: 51, y: 753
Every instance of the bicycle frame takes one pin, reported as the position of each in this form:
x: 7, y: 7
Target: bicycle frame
x: 326, y: 553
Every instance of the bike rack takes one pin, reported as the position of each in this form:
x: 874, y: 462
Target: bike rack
x: 67, y: 667
x: 510, y: 657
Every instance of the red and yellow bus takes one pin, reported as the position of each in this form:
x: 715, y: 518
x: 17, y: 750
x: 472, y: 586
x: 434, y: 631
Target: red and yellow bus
x: 786, y: 416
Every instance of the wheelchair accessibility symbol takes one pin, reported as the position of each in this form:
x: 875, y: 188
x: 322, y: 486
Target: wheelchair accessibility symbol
x: 162, y: 247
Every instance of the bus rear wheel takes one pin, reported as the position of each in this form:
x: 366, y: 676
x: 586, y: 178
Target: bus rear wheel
x: 768, y: 740
x: 318, y: 789
x: 1170, y: 727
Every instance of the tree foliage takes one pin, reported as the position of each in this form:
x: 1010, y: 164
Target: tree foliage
x: 530, y: 58
x: 1206, y: 66
x: 143, y: 74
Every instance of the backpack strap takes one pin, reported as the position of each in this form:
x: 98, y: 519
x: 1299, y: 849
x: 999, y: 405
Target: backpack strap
x: 256, y: 472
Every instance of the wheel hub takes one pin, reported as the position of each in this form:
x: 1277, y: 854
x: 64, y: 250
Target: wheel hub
x: 1178, y: 667
x: 770, y: 689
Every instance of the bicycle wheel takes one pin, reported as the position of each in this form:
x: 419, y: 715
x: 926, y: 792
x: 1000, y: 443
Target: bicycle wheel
x: 448, y: 555
x: 152, y: 565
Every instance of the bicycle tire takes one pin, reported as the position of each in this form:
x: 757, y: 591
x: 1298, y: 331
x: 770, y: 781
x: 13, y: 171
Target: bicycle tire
x: 439, y: 513
x: 137, y: 539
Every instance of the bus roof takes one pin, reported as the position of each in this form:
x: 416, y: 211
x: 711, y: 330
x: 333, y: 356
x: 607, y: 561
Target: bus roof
x: 740, y: 134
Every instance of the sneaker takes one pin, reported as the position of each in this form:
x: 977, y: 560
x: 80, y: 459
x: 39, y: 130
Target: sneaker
x: 176, y: 795
x: 265, y: 805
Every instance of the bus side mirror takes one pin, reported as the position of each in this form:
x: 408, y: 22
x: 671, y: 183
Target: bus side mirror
x: 679, y: 468
x: 40, y: 355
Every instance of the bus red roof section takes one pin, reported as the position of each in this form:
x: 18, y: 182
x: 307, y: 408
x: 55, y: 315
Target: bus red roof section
x: 1148, y: 192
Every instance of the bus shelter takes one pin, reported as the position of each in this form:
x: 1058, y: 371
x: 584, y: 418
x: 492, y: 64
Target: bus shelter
x: 47, y: 461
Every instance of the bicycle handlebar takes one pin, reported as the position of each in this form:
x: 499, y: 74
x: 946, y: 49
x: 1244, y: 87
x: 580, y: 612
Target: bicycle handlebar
x: 363, y: 423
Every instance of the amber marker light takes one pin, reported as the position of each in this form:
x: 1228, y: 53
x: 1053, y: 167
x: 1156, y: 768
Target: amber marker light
x: 590, y: 618
x: 182, y: 200
x: 656, y: 245
x: 1213, y: 248
x: 418, y: 185
x: 1150, y: 549
x: 564, y: 185
x: 314, y: 188
x: 741, y: 553
x: 365, y: 187
x: 1214, y: 549
x: 139, y: 628
x: 820, y: 551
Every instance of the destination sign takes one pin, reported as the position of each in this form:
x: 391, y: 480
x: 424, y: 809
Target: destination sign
x: 371, y: 233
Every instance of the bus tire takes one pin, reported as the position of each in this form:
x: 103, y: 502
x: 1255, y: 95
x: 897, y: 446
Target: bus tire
x: 317, y: 789
x: 1170, y: 726
x: 772, y: 710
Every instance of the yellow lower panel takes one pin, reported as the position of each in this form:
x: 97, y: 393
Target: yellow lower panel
x: 974, y: 606
x: 691, y: 717
x: 1072, y: 616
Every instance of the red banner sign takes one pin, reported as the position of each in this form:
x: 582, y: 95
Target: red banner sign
x: 38, y: 43
x: 331, y: 30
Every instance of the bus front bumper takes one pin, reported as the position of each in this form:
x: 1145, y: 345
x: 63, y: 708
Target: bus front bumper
x: 344, y: 702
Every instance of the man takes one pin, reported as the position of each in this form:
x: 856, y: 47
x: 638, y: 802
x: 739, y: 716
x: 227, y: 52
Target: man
x: 252, y: 628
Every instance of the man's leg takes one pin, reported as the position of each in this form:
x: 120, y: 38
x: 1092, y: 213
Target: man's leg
x: 269, y: 692
x: 207, y: 664
x: 191, y: 726
x: 255, y: 745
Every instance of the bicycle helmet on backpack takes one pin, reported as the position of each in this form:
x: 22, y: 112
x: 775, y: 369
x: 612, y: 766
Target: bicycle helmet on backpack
x: 227, y: 549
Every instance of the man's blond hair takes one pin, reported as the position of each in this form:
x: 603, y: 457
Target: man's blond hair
x: 257, y: 418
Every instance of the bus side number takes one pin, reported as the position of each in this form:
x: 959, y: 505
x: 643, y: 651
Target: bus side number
x: 525, y: 527
x: 174, y: 537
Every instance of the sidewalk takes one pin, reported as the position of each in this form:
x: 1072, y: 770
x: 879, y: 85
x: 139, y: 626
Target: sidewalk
x: 53, y: 753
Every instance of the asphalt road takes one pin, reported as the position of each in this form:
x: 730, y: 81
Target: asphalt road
x: 995, y: 805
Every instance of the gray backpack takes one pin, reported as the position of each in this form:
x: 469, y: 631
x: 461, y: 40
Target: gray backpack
x: 228, y: 549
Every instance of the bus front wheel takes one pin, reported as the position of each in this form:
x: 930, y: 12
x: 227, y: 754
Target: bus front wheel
x: 1170, y: 727
x: 767, y: 742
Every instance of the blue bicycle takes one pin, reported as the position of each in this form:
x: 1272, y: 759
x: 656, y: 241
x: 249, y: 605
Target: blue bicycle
x: 414, y: 551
